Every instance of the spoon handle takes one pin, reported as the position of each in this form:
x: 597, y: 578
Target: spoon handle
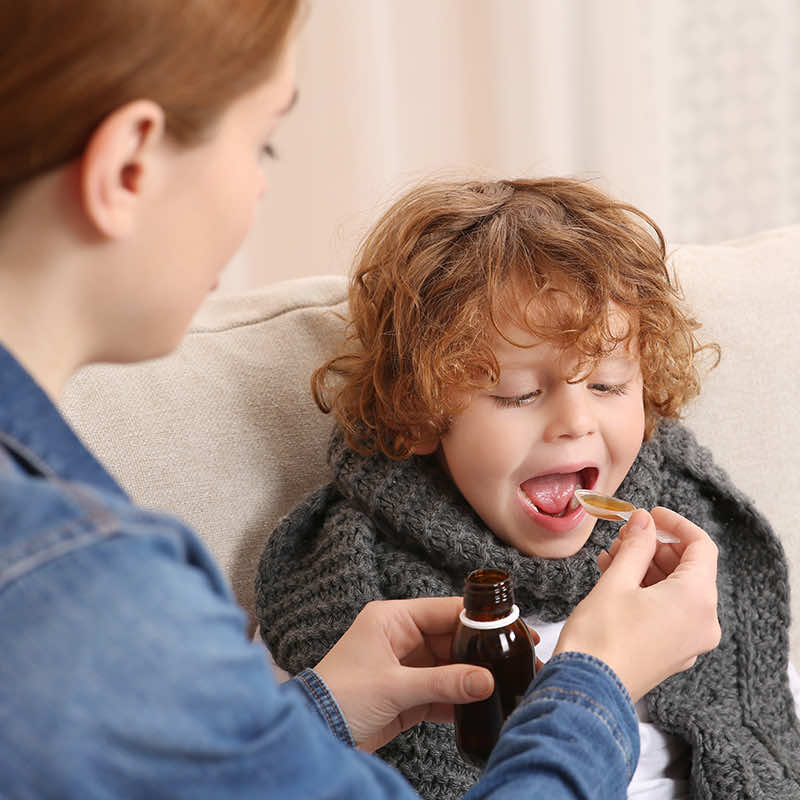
x: 666, y: 538
x: 662, y: 536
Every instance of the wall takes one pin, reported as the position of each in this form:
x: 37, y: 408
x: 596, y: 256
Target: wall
x: 689, y: 110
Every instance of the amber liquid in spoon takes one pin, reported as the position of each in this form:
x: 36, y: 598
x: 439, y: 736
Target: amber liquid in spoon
x: 612, y: 508
x: 610, y: 504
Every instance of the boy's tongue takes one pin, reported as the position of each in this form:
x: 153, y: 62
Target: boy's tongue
x: 551, y: 493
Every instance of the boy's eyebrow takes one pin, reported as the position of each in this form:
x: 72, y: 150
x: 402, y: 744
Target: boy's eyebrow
x: 621, y: 355
x: 524, y: 365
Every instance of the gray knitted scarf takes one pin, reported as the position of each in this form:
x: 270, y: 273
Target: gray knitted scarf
x: 392, y: 529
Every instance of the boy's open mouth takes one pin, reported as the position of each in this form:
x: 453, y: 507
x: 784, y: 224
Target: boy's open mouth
x: 554, y: 494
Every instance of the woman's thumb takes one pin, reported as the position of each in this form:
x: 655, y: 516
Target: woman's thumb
x: 637, y: 546
x: 453, y: 683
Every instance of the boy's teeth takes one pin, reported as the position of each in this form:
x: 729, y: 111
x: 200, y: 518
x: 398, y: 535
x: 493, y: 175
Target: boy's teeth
x: 573, y: 503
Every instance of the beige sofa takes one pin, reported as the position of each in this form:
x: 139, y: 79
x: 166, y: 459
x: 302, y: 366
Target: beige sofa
x: 224, y: 434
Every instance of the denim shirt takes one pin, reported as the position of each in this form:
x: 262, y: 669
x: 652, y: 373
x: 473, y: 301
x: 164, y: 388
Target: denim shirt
x: 125, y: 670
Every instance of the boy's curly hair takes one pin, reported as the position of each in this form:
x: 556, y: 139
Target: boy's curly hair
x: 451, y: 264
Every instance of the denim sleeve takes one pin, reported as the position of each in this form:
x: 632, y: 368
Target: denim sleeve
x: 126, y: 672
x: 324, y: 703
x: 575, y: 735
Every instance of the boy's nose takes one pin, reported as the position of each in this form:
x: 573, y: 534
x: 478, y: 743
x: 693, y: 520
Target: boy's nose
x: 571, y: 413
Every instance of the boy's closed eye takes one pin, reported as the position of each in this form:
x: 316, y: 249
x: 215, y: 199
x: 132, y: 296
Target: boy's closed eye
x: 526, y: 398
x: 609, y: 388
x: 515, y: 401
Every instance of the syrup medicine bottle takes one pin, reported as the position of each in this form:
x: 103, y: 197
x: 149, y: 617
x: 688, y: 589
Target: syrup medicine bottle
x: 490, y: 634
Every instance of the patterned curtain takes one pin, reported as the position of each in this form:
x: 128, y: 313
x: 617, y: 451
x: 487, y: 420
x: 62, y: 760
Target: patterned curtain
x: 688, y: 108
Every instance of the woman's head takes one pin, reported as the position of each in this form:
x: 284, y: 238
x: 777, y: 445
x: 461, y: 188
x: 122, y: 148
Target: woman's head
x: 131, y: 163
x: 451, y: 266
x: 66, y: 64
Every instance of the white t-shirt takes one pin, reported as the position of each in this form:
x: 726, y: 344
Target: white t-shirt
x: 664, y: 760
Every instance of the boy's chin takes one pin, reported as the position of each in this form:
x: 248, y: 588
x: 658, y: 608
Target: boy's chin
x: 557, y: 551
x: 552, y: 546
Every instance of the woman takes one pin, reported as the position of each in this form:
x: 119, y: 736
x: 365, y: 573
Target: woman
x: 130, y: 165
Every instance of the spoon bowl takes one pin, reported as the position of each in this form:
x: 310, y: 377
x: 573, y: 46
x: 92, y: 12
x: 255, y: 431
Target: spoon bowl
x: 604, y: 507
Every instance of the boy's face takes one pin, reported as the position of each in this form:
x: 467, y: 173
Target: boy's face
x: 521, y: 448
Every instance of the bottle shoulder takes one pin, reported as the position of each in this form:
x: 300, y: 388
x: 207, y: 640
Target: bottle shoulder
x: 471, y: 645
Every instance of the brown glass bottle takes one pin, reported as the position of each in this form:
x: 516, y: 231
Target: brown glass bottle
x: 491, y: 634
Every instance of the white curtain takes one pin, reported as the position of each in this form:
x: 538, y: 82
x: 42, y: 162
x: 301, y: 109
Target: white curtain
x: 690, y: 109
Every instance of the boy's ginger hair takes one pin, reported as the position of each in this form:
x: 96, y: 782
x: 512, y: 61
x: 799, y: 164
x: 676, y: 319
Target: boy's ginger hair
x: 451, y: 264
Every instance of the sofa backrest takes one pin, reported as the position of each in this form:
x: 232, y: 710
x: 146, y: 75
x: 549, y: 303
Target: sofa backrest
x: 224, y: 433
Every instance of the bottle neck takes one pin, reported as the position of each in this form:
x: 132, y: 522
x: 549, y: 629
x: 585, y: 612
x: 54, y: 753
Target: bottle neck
x: 488, y: 595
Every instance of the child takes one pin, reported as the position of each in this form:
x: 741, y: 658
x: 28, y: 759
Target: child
x: 511, y: 342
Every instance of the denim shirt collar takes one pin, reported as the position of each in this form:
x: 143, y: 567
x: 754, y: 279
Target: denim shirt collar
x: 32, y: 428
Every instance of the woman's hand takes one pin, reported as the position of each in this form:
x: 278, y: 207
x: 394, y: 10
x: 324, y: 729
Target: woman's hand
x: 391, y: 669
x: 654, y: 610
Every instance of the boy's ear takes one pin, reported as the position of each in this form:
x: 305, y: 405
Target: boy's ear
x: 116, y: 165
x: 426, y: 446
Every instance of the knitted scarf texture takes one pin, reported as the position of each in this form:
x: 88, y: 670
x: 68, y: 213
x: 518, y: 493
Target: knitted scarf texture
x: 388, y: 529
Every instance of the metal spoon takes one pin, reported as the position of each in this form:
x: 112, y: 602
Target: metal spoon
x: 604, y: 507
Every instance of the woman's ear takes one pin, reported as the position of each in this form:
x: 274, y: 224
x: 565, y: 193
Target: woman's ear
x: 116, y: 165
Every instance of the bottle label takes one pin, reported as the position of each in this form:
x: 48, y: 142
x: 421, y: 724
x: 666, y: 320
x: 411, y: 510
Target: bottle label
x: 485, y: 625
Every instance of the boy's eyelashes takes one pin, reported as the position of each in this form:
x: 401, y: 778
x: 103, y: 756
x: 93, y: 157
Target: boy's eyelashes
x: 528, y: 397
x: 609, y: 388
x: 516, y: 402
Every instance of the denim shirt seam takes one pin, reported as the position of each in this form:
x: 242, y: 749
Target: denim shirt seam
x: 95, y: 522
x: 325, y: 704
x: 70, y: 535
